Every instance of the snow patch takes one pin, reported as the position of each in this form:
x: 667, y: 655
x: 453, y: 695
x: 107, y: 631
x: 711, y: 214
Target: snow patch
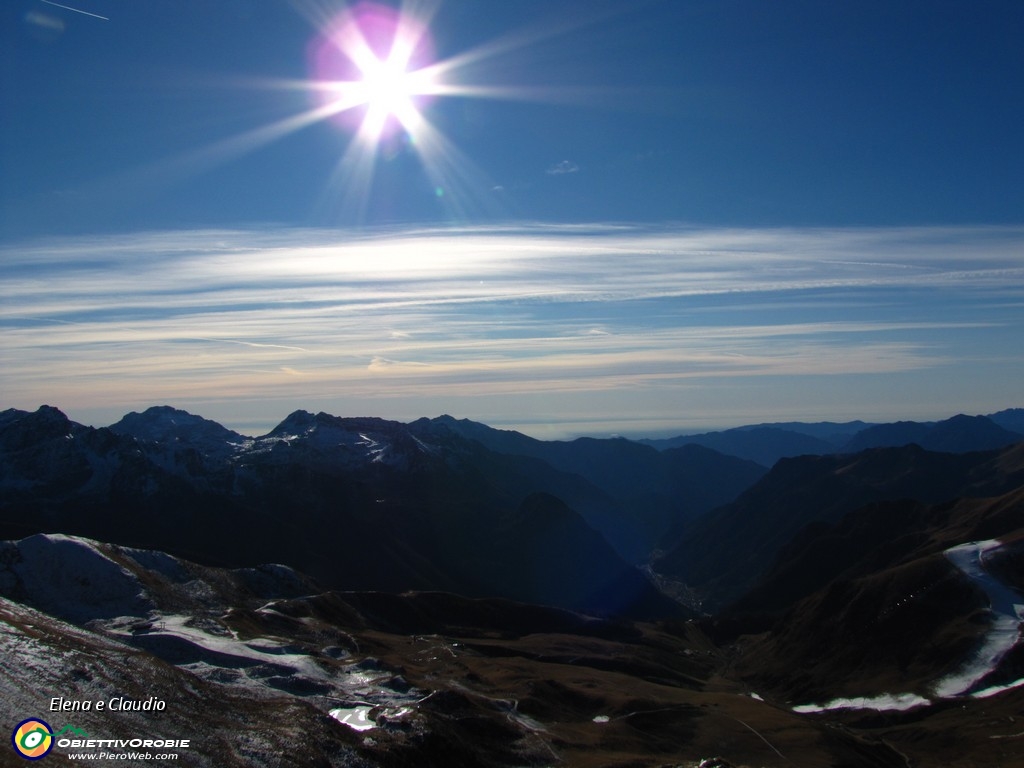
x: 887, y: 702
x: 985, y: 693
x: 1006, y: 606
x: 356, y: 718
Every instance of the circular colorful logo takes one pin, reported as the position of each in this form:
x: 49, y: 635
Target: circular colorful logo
x: 32, y: 738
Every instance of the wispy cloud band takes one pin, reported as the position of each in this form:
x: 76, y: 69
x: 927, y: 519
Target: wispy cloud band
x: 439, y: 315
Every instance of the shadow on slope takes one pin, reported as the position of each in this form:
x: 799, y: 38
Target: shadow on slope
x: 725, y: 553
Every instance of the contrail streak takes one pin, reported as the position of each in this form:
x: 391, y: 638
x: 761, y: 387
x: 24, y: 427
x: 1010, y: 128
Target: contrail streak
x: 76, y: 10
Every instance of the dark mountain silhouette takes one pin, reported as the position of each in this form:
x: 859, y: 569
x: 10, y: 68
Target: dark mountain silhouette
x: 724, y: 553
x: 765, y: 445
x: 962, y: 433
x: 873, y: 538
x: 888, y: 436
x: 959, y: 434
x: 654, y: 491
x: 833, y: 432
x: 355, y: 503
x: 1011, y: 419
x: 880, y: 598
x: 164, y: 424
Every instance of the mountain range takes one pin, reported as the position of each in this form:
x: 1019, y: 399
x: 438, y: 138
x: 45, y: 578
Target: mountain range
x: 359, y: 503
x: 767, y: 443
x: 442, y: 592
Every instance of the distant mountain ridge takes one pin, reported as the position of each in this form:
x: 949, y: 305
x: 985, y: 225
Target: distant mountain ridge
x: 767, y: 443
x: 958, y: 434
x: 764, y: 444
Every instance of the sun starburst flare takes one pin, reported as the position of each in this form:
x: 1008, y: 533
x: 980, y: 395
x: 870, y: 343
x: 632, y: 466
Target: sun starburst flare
x: 375, y: 74
x: 374, y: 62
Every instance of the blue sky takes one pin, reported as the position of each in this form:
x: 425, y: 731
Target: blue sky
x: 593, y: 217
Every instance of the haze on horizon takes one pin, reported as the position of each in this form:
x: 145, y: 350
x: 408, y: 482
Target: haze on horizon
x: 560, y: 217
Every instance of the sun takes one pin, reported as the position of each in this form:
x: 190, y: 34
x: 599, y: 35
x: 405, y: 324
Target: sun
x: 374, y: 72
x: 389, y: 92
x: 373, y: 64
x: 387, y: 88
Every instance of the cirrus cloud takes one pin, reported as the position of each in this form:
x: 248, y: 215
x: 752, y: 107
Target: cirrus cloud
x: 630, y: 324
